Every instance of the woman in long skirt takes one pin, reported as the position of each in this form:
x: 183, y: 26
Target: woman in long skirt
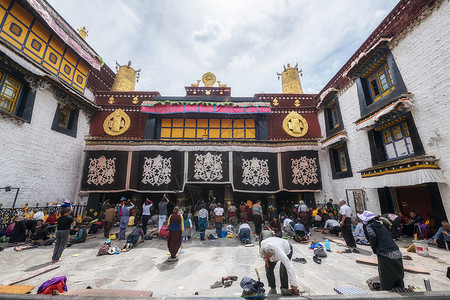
x: 176, y: 226
x: 390, y: 264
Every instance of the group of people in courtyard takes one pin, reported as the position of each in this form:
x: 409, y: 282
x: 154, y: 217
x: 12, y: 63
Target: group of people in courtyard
x: 268, y: 224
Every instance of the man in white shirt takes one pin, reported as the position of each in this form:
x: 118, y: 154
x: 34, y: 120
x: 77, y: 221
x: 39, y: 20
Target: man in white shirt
x: 244, y: 233
x: 346, y: 225
x: 275, y: 250
x: 332, y: 226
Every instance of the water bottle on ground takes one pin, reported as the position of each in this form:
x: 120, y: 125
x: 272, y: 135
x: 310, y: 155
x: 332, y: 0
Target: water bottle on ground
x: 327, y: 245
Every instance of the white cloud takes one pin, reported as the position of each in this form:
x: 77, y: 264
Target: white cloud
x: 245, y: 43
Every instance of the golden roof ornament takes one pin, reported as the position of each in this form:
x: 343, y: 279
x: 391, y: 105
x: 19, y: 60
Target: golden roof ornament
x: 83, y: 32
x: 208, y: 79
x: 116, y: 123
x: 126, y: 78
x: 290, y: 80
x: 275, y: 102
x: 295, y: 125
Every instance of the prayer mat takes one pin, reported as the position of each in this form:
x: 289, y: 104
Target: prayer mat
x: 16, y: 289
x: 349, y: 290
x: 111, y: 293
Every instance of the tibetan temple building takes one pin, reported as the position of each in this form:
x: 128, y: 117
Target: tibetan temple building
x: 375, y: 135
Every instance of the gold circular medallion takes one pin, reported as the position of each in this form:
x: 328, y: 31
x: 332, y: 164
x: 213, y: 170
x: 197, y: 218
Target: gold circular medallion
x: 116, y: 123
x: 209, y: 79
x: 295, y: 125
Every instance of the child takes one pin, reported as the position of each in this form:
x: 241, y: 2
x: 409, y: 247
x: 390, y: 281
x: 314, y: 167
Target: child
x: 187, y: 228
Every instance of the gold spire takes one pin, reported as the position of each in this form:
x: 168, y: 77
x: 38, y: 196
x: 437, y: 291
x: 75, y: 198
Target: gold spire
x: 82, y: 31
x: 126, y: 78
x: 290, y: 80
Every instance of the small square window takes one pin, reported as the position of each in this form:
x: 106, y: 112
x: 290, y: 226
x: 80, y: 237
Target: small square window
x: 36, y: 45
x: 52, y: 57
x: 64, y: 116
x: 15, y: 29
x: 10, y: 90
x: 67, y: 69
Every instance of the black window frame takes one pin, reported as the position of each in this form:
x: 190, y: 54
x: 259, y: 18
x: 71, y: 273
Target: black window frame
x: 25, y: 102
x: 333, y: 152
x: 72, y: 124
x: 366, y: 103
x: 330, y: 129
x: 377, y: 150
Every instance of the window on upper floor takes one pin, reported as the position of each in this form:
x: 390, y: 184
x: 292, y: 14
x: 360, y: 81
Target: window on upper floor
x: 211, y: 129
x: 379, y: 83
x: 379, y: 80
x: 65, y: 120
x: 340, y: 163
x: 10, y: 93
x: 333, y: 119
x: 395, y: 141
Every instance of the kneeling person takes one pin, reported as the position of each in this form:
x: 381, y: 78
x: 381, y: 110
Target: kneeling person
x: 244, y: 234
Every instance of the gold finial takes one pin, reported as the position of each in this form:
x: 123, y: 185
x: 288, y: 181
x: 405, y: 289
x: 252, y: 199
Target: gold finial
x: 135, y: 100
x: 111, y: 100
x: 275, y: 102
x: 82, y: 31
x: 221, y: 84
x: 126, y: 78
x: 290, y: 80
x: 297, y: 103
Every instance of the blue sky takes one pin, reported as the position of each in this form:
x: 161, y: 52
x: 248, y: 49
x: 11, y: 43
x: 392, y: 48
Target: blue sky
x: 244, y: 43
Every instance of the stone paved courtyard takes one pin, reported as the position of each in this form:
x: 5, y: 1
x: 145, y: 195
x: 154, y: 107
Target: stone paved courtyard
x: 204, y: 262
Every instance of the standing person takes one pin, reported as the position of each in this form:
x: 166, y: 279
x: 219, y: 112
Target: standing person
x: 187, y: 228
x: 63, y: 233
x: 176, y: 226
x: 218, y: 213
x: 197, y: 208
x: 243, y: 212
x: 124, y: 218
x: 202, y: 221
x: 257, y: 212
x: 249, y: 211
x: 273, y: 250
x: 110, y: 217
x: 390, y: 264
x: 303, y: 213
x: 346, y: 225
x: 232, y: 215
x: 146, y: 214
x: 162, y: 211
x: 212, y: 207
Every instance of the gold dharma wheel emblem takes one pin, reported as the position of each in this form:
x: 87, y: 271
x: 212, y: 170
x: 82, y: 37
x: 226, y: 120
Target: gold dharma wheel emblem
x: 209, y: 79
x: 295, y: 125
x: 117, y: 123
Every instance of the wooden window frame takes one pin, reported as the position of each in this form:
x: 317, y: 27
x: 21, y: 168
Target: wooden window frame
x: 13, y: 103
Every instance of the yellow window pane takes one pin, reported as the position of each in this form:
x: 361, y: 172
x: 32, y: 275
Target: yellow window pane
x: 226, y: 123
x: 214, y: 123
x: 178, y: 123
x: 189, y: 133
x: 226, y: 133
x: 405, y: 129
x: 239, y: 133
x: 202, y: 132
x: 214, y: 133
x: 250, y: 133
x: 177, y: 132
x: 202, y: 123
x: 166, y: 123
x: 190, y: 123
x: 238, y: 123
x: 165, y: 132
x: 250, y: 123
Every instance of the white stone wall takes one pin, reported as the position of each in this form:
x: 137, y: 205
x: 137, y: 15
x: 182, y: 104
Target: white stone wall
x: 43, y: 163
x: 423, y: 58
